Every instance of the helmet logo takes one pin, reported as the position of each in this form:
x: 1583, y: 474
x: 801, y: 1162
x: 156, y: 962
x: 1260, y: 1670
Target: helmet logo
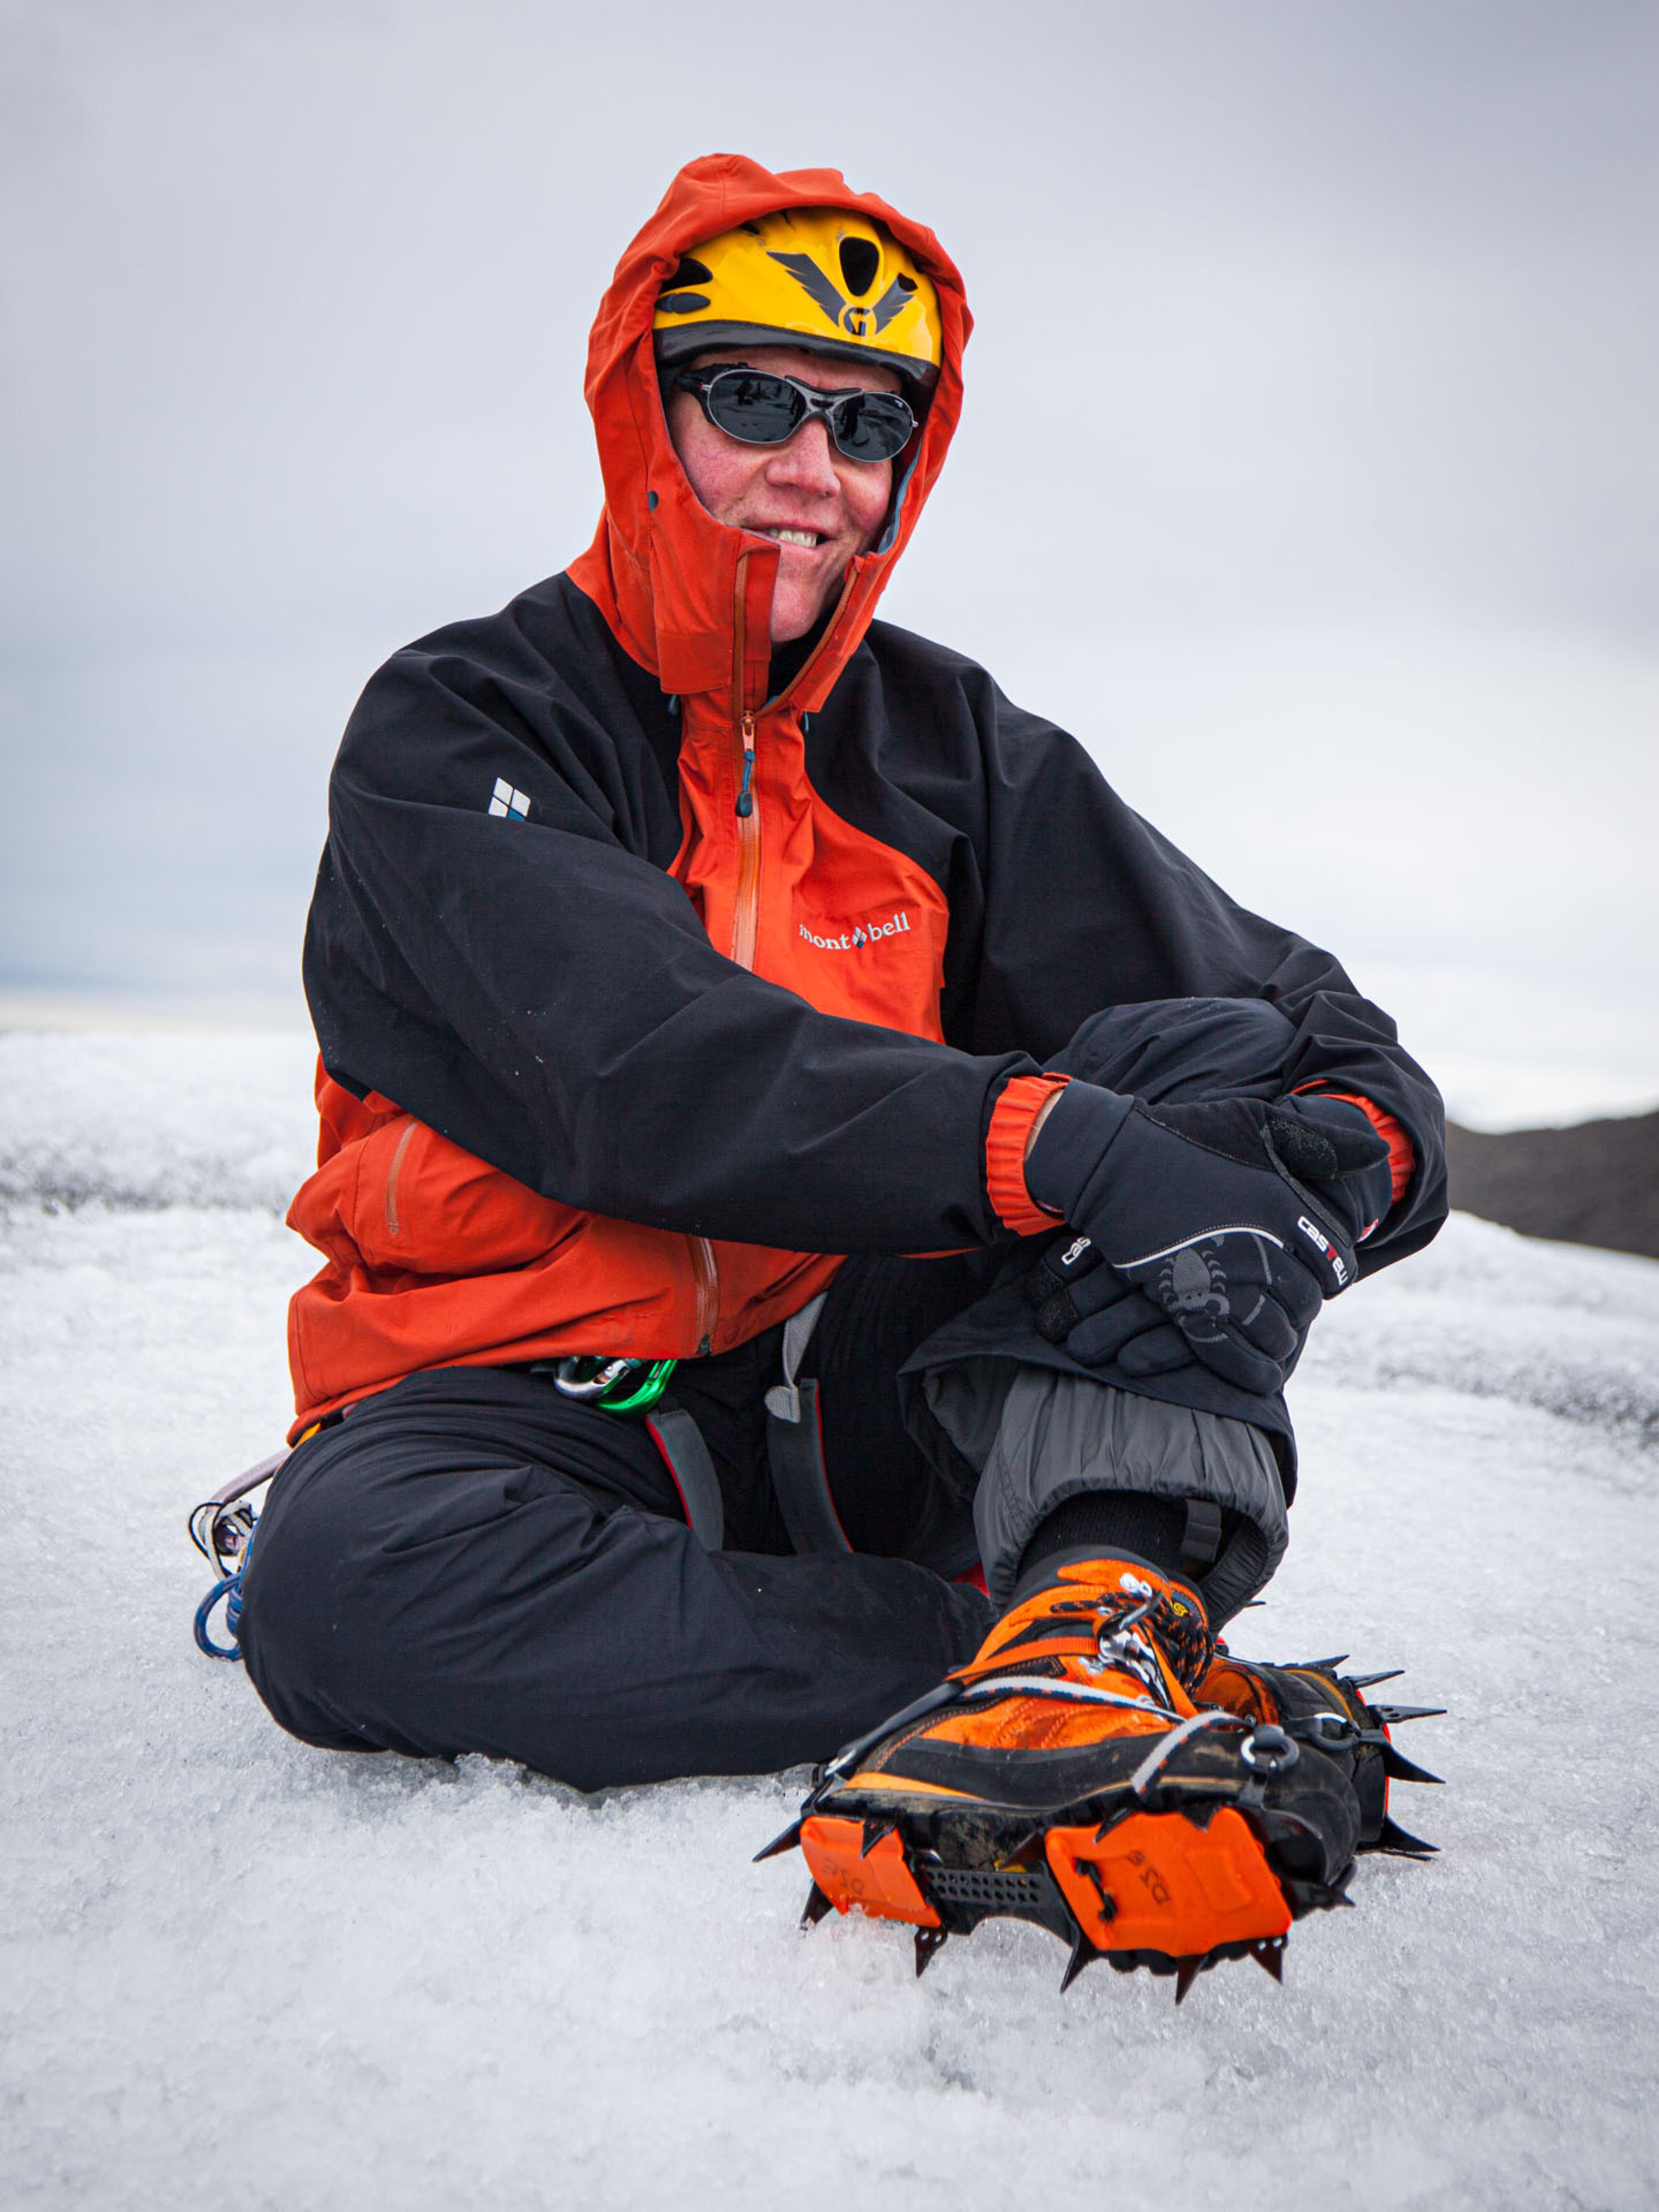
x: 857, y: 322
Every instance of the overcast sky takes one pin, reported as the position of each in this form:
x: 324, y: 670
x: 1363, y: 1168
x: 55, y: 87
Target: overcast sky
x: 1308, y: 471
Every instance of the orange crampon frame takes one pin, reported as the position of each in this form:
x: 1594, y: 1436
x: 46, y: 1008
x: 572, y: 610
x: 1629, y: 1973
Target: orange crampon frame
x: 1212, y: 1862
x: 1149, y: 1890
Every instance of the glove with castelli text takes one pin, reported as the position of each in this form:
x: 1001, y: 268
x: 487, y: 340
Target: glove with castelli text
x: 1076, y: 1300
x: 1233, y: 1219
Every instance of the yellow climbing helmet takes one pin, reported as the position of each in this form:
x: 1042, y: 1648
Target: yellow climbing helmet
x: 823, y: 278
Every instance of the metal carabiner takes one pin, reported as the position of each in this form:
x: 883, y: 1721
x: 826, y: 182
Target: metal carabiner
x: 616, y: 1386
x: 586, y: 1376
x: 221, y: 1528
x: 230, y: 1591
x: 220, y: 1533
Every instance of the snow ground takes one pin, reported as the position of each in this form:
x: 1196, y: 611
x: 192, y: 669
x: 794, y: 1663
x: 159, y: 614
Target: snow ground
x: 239, y: 1970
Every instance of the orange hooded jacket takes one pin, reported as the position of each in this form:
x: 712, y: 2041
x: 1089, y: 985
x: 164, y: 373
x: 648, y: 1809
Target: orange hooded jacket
x: 435, y: 1258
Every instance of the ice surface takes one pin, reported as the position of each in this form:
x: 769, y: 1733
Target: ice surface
x: 238, y: 1971
x: 199, y: 1120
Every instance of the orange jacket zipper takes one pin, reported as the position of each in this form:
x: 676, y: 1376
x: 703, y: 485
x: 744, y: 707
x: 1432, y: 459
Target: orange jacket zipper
x: 393, y: 1225
x: 707, y: 1272
x: 745, y: 909
x: 746, y: 913
x: 745, y: 917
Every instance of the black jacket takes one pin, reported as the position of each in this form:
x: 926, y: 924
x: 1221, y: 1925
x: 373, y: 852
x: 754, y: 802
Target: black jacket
x: 543, y: 992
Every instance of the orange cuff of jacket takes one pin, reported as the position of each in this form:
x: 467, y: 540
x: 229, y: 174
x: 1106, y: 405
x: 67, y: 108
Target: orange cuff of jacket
x: 1006, y: 1140
x: 1401, y: 1158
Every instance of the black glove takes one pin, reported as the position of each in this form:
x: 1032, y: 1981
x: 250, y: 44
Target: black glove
x: 1233, y: 1217
x: 1076, y: 1300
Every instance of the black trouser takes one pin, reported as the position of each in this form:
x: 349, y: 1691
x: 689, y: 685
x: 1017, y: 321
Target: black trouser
x: 470, y: 1562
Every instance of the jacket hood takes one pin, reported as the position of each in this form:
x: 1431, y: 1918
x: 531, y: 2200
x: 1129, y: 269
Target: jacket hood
x: 664, y: 573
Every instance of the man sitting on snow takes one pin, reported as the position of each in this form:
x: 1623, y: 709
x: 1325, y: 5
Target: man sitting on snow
x: 689, y: 952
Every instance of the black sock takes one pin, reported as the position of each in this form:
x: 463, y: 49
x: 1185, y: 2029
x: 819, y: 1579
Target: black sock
x: 1152, y: 1528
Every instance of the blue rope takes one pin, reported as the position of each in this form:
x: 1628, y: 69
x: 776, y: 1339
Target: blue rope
x: 230, y: 1589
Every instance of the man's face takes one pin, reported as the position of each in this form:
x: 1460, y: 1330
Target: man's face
x: 820, y: 506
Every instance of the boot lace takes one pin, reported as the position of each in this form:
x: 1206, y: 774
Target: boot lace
x: 1135, y: 1617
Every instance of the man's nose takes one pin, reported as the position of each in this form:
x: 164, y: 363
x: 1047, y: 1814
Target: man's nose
x: 804, y: 463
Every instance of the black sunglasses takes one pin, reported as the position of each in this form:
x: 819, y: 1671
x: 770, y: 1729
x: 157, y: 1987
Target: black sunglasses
x: 759, y: 409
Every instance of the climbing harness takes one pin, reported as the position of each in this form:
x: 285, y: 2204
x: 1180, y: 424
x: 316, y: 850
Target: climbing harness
x: 635, y: 1388
x: 222, y: 1526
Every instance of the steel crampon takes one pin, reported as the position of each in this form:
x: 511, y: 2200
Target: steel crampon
x: 1208, y: 1827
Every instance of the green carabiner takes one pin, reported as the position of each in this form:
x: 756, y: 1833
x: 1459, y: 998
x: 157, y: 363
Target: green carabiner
x: 638, y: 1397
x: 615, y: 1385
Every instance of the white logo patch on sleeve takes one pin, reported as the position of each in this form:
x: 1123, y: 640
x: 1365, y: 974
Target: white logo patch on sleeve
x: 510, y: 801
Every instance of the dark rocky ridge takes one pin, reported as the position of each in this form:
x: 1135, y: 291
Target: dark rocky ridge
x: 1597, y: 1184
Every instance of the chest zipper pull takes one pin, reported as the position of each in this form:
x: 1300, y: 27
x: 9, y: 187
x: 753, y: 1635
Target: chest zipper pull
x: 745, y: 805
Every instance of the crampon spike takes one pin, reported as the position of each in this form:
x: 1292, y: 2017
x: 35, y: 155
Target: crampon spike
x: 873, y: 1832
x: 816, y: 1906
x: 1187, y: 1973
x: 1269, y: 1955
x: 1314, y: 1896
x: 1399, y: 1842
x: 786, y: 1842
x: 1369, y: 1681
x: 1083, y: 1954
x: 1388, y: 1714
x: 1324, y: 1666
x: 1401, y: 1769
x: 930, y: 1941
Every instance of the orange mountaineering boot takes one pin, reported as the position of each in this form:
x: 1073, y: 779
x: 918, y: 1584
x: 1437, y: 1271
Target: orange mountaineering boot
x: 1069, y: 1774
